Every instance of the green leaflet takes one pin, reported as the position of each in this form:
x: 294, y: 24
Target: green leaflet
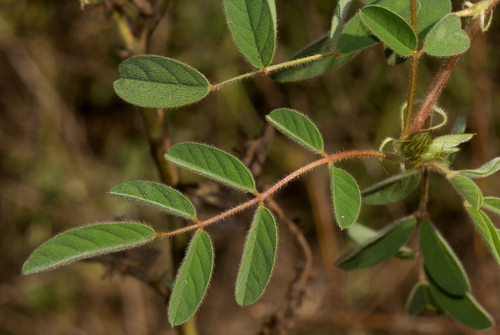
x: 155, y: 195
x: 441, y: 262
x: 338, y: 20
x: 355, y: 36
x: 421, y: 299
x: 464, y: 308
x: 298, y: 127
x: 346, y: 197
x: 492, y: 204
x: 160, y: 82
x: 213, y: 163
x: 486, y: 230
x: 390, y: 28
x: 192, y: 279
x: 391, y: 189
x: 447, y: 38
x: 85, y: 242
x: 258, y: 258
x: 360, y: 233
x: 252, y: 24
x: 468, y: 189
x: 380, y: 247
x: 483, y: 171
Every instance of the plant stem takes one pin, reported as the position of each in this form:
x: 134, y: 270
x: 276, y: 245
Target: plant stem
x: 262, y: 196
x: 413, y: 75
x: 424, y: 196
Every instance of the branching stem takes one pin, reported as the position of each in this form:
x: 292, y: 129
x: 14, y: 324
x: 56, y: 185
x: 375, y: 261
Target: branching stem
x: 262, y: 196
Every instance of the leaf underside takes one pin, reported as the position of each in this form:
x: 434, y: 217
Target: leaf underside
x: 391, y: 189
x: 468, y: 189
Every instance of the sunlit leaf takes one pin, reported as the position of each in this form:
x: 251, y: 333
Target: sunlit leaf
x: 468, y: 189
x: 492, y: 204
x: 298, y: 127
x: 483, y: 171
x: 391, y: 189
x: 464, y: 308
x: 441, y: 262
x: 155, y: 195
x: 444, y: 145
x: 390, y: 28
x: 258, y: 258
x: 487, y: 231
x: 338, y: 20
x: 192, y: 279
x: 346, y: 197
x: 252, y: 24
x: 155, y: 81
x: 360, y: 233
x: 380, y: 247
x: 421, y: 300
x: 85, y: 242
x: 447, y: 38
x: 211, y: 162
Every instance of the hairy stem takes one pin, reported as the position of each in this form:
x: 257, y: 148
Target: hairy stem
x: 260, y: 197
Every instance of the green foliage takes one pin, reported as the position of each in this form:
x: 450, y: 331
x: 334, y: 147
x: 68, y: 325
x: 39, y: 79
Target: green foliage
x: 390, y: 28
x: 346, y: 197
x: 468, y: 189
x: 252, y: 24
x: 380, y: 247
x: 298, y: 127
x: 154, y: 81
x: 492, y: 204
x: 421, y: 300
x: 192, y: 279
x: 213, y: 163
x: 444, y: 145
x: 338, y: 19
x: 155, y: 195
x: 487, y: 231
x: 483, y: 171
x: 447, y: 38
x: 441, y: 262
x: 85, y: 242
x: 258, y: 258
x: 391, y: 189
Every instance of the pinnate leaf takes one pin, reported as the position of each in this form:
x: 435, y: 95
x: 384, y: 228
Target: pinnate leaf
x: 380, y: 247
x: 298, y: 127
x: 346, y: 197
x: 487, y: 231
x: 211, y: 162
x: 464, y: 308
x: 492, y: 204
x: 192, y: 279
x: 160, y: 82
x: 390, y: 28
x: 447, y: 38
x: 483, y: 171
x: 252, y: 24
x: 391, y: 189
x: 468, y: 189
x: 258, y: 258
x: 85, y: 242
x: 155, y: 195
x: 441, y: 262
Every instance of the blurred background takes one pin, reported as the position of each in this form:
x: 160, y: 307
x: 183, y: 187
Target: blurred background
x: 66, y: 139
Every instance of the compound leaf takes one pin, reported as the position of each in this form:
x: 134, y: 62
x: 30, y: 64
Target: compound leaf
x: 346, y: 197
x: 492, y: 204
x: 447, y: 38
x: 391, y: 189
x: 464, y: 308
x: 390, y: 28
x: 85, y: 242
x: 441, y: 262
x: 380, y: 247
x: 192, y: 279
x: 468, y: 189
x: 213, y: 163
x: 155, y: 195
x: 252, y: 24
x: 483, y: 171
x: 487, y: 231
x: 258, y: 258
x: 421, y: 299
x: 298, y: 127
x: 159, y: 82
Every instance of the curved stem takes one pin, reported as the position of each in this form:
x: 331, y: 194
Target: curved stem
x: 260, y: 197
